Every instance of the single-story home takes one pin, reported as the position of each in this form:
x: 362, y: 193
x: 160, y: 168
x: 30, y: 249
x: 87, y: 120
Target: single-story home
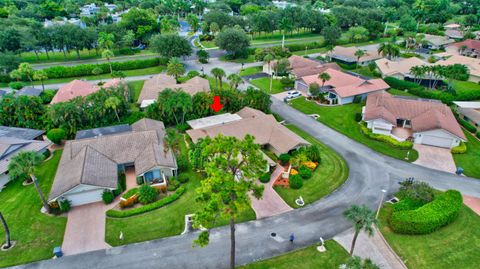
x: 301, y: 66
x: 29, y: 91
x: 469, y: 48
x: 15, y: 140
x: 454, y: 34
x: 470, y: 112
x: 347, y: 55
x: 452, y: 26
x: 76, y: 88
x: 342, y: 88
x: 473, y: 65
x: 436, y: 42
x: 267, y: 131
x: 427, y: 122
x: 158, y: 83
x: 400, y: 68
x: 90, y: 166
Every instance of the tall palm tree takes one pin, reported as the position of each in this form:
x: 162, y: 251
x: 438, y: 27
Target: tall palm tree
x: 108, y: 54
x: 359, y: 53
x: 22, y: 166
x: 234, y: 80
x: 268, y: 60
x: 105, y: 40
x: 8, y: 242
x: 285, y: 25
x: 324, y: 77
x: 389, y: 50
x: 175, y: 68
x: 113, y: 103
x: 362, y: 218
x: 218, y: 74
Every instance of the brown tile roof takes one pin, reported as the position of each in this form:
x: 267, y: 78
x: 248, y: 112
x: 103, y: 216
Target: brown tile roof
x: 263, y: 127
x: 470, y: 43
x: 94, y: 161
x: 301, y: 66
x: 153, y: 86
x: 347, y: 54
x: 473, y: 64
x: 73, y: 89
x: 346, y: 85
x: 402, y: 66
x: 424, y: 115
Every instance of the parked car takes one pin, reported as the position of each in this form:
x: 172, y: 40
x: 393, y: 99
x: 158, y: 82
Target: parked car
x: 293, y: 94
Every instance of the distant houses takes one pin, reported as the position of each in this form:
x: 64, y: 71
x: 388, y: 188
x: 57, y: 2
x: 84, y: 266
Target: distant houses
x: 469, y: 111
x: 436, y: 42
x: 77, y: 88
x: 347, y: 55
x: 400, y: 68
x: 469, y: 48
x: 301, y: 66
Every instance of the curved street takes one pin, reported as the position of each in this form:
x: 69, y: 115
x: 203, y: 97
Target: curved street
x: 370, y: 172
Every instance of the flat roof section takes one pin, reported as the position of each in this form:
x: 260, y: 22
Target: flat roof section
x: 213, y: 120
x: 109, y: 130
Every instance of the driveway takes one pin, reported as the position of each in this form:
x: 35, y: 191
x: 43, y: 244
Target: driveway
x: 280, y: 96
x: 435, y: 158
x: 85, y: 229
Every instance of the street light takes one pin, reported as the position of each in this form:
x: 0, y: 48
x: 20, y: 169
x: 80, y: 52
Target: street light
x: 203, y: 73
x: 381, y: 202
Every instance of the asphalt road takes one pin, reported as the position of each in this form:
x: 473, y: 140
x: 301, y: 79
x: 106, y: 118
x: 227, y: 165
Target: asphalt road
x: 370, y: 172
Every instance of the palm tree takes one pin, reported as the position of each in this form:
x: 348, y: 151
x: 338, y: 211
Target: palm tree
x: 175, y: 68
x: 171, y: 139
x: 268, y: 60
x: 40, y: 75
x: 218, y: 73
x: 108, y: 54
x: 356, y: 262
x: 105, y: 40
x: 359, y: 53
x: 8, y: 243
x: 285, y: 25
x: 389, y: 50
x: 235, y: 80
x: 362, y: 218
x: 22, y: 166
x: 324, y: 77
x: 113, y: 103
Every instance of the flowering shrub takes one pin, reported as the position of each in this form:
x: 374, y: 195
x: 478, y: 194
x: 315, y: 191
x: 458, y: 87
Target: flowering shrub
x: 310, y: 165
x: 293, y: 172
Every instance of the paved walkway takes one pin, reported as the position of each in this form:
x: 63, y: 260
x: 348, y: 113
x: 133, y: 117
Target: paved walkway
x: 271, y: 203
x: 473, y: 203
x: 435, y: 158
x: 131, y: 178
x: 374, y: 247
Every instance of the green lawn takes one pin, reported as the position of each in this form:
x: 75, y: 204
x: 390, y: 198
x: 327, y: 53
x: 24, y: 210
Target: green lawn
x: 342, y: 119
x: 72, y: 56
x: 453, y: 246
x: 465, y: 85
x: 208, y: 44
x: 36, y: 233
x: 249, y: 59
x: 264, y: 84
x: 165, y: 221
x: 329, y: 175
x: 310, y: 51
x: 470, y: 161
x: 306, y: 258
x: 136, y: 88
x: 251, y: 70
x: 400, y: 92
x: 277, y: 35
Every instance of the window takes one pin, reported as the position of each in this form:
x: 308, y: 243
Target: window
x: 154, y: 176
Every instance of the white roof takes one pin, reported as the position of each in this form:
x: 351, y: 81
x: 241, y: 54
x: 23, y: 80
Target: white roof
x: 213, y: 120
x: 146, y: 103
x: 474, y: 105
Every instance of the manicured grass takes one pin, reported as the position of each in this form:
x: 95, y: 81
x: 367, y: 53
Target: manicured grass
x: 264, y: 84
x: 208, y: 44
x: 306, y: 258
x: 290, y: 40
x: 136, y: 88
x: 309, y: 51
x: 165, y: 221
x: 465, y: 85
x: 277, y: 35
x: 72, y: 56
x: 36, y: 233
x: 400, y: 92
x: 329, y: 175
x: 453, y: 246
x: 251, y: 70
x: 470, y: 160
x: 342, y: 119
x: 249, y: 59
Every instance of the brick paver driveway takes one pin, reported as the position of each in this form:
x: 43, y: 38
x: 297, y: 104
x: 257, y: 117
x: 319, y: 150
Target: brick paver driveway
x: 85, y: 229
x: 435, y: 158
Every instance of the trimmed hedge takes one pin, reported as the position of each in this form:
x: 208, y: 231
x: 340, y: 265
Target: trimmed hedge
x: 385, y: 138
x: 460, y: 149
x: 428, y: 218
x: 146, y: 208
x: 468, y: 126
x: 130, y: 193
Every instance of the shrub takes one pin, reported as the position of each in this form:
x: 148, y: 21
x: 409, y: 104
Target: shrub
x: 384, y: 138
x: 139, y: 180
x: 304, y: 172
x: 430, y: 217
x: 139, y: 210
x: 183, y: 178
x: 172, y: 184
x: 15, y: 85
x: 313, y: 153
x: 183, y: 163
x: 358, y: 117
x: 295, y: 181
x: 193, y: 73
x: 284, y: 158
x: 122, y: 181
x: 65, y: 205
x: 265, y: 178
x: 357, y: 99
x: 130, y: 193
x: 468, y: 126
x: 47, y: 96
x: 478, y: 134
x: 416, y: 191
x: 310, y: 165
x: 147, y: 194
x: 107, y: 196
x: 286, y: 81
x: 182, y: 127
x: 460, y: 149
x: 56, y: 135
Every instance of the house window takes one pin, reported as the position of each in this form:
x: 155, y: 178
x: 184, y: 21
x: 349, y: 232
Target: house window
x: 153, y: 177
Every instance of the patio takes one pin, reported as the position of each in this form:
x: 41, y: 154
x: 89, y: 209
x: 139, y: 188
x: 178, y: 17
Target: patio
x: 402, y: 133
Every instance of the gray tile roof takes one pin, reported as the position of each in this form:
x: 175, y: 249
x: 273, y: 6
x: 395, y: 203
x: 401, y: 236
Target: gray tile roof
x: 22, y: 133
x: 109, y: 130
x: 29, y: 91
x: 10, y: 146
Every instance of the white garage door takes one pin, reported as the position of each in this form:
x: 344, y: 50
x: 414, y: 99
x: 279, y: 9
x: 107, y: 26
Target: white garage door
x: 85, y: 197
x: 437, y: 141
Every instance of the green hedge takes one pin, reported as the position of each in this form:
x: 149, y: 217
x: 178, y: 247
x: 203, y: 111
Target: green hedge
x: 468, y: 126
x: 385, y: 138
x: 130, y: 193
x: 86, y: 69
x: 460, y: 149
x: 428, y: 218
x: 146, y: 208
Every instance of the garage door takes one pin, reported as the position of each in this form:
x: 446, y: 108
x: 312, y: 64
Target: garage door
x: 85, y: 197
x: 437, y: 141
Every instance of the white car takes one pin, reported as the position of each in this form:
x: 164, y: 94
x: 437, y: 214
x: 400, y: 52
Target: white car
x: 293, y: 94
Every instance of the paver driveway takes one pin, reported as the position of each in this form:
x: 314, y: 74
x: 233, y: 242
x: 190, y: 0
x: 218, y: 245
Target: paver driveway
x: 435, y: 158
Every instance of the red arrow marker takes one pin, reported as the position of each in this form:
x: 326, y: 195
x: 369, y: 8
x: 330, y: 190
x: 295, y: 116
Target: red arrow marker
x: 216, y: 106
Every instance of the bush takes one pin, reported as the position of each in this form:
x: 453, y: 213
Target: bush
x: 139, y: 180
x: 468, y: 126
x: 387, y: 139
x: 47, y: 96
x: 127, y: 51
x: 15, y: 85
x: 147, y: 194
x: 284, y: 158
x: 172, y: 184
x: 428, y: 218
x: 107, y: 196
x: 130, y: 193
x: 358, y: 117
x: 182, y: 127
x: 460, y: 149
x: 182, y: 163
x: 295, y: 181
x: 313, y: 153
x: 416, y: 191
x: 65, y: 205
x: 183, y: 178
x: 286, y: 81
x: 357, y: 99
x: 304, y: 172
x: 143, y: 209
x: 56, y: 135
x: 478, y: 134
x: 122, y: 181
x: 265, y: 178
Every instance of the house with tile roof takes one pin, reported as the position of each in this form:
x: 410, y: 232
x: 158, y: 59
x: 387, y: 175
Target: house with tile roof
x: 473, y: 65
x: 14, y: 140
x: 89, y: 166
x: 342, y: 88
x: 400, y: 68
x: 301, y: 66
x: 77, y: 88
x: 347, y: 55
x: 469, y: 48
x: 158, y: 83
x: 470, y: 112
x: 427, y: 122
x: 437, y: 42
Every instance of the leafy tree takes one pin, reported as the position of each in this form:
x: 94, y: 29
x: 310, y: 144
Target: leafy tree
x: 234, y: 80
x: 175, y: 68
x: 172, y: 107
x: 142, y: 22
x: 331, y: 34
x: 408, y: 23
x: 22, y: 111
x: 108, y: 54
x: 359, y: 54
x: 128, y: 39
x: 234, y: 41
x: 40, y: 75
x: 203, y: 56
x: 8, y: 62
x: 218, y: 74
x: 214, y: 28
x: 56, y: 135
x: 172, y: 139
x: 314, y: 89
x: 362, y: 218
x: 105, y: 40
x: 194, y: 22
x: 170, y: 45
x: 357, y: 34
x: 26, y: 70
x: 147, y: 194
x: 257, y: 99
x: 113, y: 103
x: 223, y: 191
x: 8, y: 243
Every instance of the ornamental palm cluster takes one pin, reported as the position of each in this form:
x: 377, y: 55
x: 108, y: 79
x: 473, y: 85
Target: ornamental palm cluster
x: 435, y: 73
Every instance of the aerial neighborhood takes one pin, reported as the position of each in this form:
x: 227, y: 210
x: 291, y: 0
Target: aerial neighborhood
x: 240, y: 134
